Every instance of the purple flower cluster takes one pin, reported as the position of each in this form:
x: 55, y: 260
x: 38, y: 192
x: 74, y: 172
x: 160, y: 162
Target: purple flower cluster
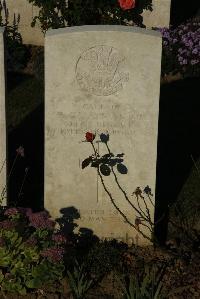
x: 184, y: 43
x: 59, y: 238
x: 41, y: 220
x: 11, y: 212
x: 55, y: 254
x: 15, y: 211
x: 25, y: 211
x: 7, y: 224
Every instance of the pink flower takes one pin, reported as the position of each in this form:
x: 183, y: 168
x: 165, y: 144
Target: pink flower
x: 41, y: 220
x: 7, y: 225
x: 59, y: 238
x: 11, y: 212
x: 126, y: 4
x: 54, y: 254
x: 20, y: 151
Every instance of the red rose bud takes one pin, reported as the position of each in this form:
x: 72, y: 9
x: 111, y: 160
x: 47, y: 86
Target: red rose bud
x: 126, y: 4
x: 89, y: 136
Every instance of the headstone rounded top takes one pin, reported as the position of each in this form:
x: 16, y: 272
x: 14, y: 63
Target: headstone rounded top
x: 106, y: 28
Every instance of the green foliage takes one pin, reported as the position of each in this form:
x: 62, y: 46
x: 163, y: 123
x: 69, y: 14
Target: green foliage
x: 58, y: 14
x: 79, y: 281
x: 29, y: 255
x: 145, y: 286
x: 16, y: 52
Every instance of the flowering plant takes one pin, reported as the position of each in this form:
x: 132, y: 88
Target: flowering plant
x: 181, y: 49
x: 62, y: 13
x: 31, y: 250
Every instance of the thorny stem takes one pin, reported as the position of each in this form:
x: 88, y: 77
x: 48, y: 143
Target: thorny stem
x: 113, y: 202
x: 2, y: 197
x: 23, y: 181
x: 13, y: 165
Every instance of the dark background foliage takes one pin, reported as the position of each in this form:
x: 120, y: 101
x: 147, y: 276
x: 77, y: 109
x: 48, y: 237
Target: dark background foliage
x: 55, y: 14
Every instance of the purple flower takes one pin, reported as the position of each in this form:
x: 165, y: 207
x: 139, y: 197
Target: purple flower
x: 41, y: 220
x: 7, y: 224
x: 11, y: 212
x: 20, y: 151
x: 54, y: 254
x: 180, y: 58
x: 195, y: 51
x: 59, y: 238
x: 194, y: 61
x: 25, y: 211
x: 166, y: 34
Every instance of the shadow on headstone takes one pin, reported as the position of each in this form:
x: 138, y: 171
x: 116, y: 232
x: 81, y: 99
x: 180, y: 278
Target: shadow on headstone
x: 66, y: 221
x: 179, y: 124
x: 83, y: 237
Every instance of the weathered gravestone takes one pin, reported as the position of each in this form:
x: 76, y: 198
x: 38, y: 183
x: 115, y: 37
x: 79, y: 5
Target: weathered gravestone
x: 101, y: 79
x: 160, y: 16
x: 2, y: 123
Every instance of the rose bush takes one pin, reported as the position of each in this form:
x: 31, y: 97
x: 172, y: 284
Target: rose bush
x: 62, y: 13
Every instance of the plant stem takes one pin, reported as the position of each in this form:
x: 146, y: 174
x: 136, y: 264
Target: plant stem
x: 22, y: 185
x: 124, y: 193
x: 118, y: 209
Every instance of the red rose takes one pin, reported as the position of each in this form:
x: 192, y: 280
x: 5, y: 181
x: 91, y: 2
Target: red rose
x: 126, y: 4
x: 89, y: 137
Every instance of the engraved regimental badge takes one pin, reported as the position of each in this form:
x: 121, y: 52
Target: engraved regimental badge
x: 99, y: 71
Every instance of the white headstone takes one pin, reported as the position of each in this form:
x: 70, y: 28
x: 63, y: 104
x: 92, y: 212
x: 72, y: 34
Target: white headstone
x: 2, y: 122
x: 101, y: 79
x: 160, y: 16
